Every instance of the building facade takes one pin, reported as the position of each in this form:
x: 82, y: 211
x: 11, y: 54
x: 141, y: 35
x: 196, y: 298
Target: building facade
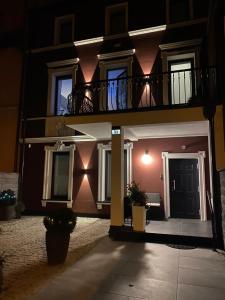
x: 117, y: 92
x: 11, y: 61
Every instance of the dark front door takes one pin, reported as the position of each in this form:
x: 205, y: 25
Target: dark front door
x: 184, y: 188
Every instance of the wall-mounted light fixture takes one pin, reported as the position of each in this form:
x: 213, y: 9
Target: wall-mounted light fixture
x: 146, y: 158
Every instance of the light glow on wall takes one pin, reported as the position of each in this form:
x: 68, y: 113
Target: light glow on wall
x: 146, y: 158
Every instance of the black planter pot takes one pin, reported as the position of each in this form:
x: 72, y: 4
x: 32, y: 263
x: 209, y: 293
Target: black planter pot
x: 1, y: 277
x: 57, y: 244
x: 7, y: 212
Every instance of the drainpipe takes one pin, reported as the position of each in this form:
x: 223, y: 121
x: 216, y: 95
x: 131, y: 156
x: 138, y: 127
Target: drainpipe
x: 217, y: 207
x: 21, y: 128
x: 209, y: 113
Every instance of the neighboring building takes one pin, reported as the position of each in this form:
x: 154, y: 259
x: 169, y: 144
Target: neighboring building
x: 11, y: 62
x: 108, y: 84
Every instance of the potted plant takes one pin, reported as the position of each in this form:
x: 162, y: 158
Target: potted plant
x: 59, y: 224
x: 138, y: 199
x: 7, y: 205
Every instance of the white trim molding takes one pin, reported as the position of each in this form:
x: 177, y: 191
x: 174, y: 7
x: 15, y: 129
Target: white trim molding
x: 147, y: 30
x: 102, y: 148
x: 182, y: 44
x: 49, y: 150
x: 100, y: 39
x: 62, y: 63
x: 54, y: 139
x: 200, y: 156
x: 89, y: 41
x: 116, y: 54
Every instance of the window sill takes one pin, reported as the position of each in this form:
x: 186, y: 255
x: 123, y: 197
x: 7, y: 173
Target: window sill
x: 68, y: 202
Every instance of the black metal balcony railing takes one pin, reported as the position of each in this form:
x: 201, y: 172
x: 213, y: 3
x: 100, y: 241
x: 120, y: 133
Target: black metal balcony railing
x: 189, y: 87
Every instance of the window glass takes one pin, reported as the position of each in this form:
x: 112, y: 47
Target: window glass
x: 108, y: 174
x: 181, y: 82
x: 117, y: 89
x: 65, y: 34
x: 179, y: 10
x: 117, y: 22
x: 60, y: 175
x: 63, y: 89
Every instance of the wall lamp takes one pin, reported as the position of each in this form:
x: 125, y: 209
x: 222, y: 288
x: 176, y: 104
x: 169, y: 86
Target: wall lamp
x: 146, y: 158
x: 85, y: 171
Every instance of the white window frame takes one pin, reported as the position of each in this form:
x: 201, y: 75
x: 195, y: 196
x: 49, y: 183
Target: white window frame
x: 119, y: 63
x: 173, y: 52
x: 56, y: 70
x: 49, y: 150
x: 102, y: 148
x: 180, y: 57
x: 200, y: 156
x: 113, y: 8
x: 58, y: 22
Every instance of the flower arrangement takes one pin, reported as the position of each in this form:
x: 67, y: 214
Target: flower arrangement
x: 63, y: 219
x: 136, y: 196
x: 7, y: 197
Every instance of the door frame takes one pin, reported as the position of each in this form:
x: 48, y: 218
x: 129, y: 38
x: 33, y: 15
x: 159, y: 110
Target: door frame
x: 200, y: 156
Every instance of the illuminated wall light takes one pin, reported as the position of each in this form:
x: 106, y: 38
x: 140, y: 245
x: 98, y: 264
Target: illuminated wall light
x: 87, y: 93
x: 147, y: 158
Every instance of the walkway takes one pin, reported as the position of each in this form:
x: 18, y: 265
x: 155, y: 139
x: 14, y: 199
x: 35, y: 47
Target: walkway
x: 128, y: 271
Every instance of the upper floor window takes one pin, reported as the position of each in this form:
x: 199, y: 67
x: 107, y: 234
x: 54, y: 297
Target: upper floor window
x: 117, y: 94
x: 60, y: 83
x: 179, y: 10
x: 117, y: 88
x: 63, y: 88
x: 181, y: 80
x: 116, y: 19
x: 64, y: 29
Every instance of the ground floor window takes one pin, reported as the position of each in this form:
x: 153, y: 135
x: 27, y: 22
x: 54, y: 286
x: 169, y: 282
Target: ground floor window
x: 107, y: 174
x: 58, y: 173
x: 104, y: 171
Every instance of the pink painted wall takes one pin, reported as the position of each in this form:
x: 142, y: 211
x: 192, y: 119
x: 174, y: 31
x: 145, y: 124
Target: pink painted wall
x: 85, y: 188
x: 84, y: 192
x: 88, y: 59
x: 150, y: 176
x: 146, y: 49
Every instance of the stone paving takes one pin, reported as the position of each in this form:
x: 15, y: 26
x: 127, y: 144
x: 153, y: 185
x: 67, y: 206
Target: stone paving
x: 115, y: 270
x: 23, y: 243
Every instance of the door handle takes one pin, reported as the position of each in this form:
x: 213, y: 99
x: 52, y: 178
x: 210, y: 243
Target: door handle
x: 174, y: 184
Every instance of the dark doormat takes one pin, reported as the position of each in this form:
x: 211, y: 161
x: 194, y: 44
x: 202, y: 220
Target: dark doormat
x: 182, y: 247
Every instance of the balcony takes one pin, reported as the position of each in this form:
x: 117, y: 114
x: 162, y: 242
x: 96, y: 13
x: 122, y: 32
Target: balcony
x: 155, y: 91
